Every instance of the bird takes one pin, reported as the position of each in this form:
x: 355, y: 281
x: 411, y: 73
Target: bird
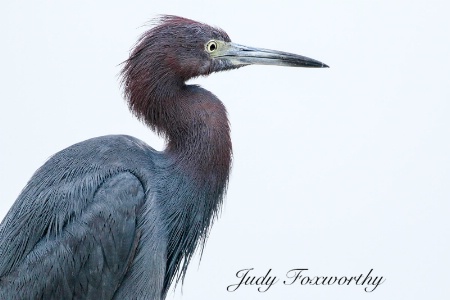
x: 112, y: 218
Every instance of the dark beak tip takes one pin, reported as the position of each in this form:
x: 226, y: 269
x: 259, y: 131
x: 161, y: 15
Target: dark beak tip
x: 325, y: 66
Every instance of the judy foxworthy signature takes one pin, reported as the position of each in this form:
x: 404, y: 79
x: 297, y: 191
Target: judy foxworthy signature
x: 302, y: 277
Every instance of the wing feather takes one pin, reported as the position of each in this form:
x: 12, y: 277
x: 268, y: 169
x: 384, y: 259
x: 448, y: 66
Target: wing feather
x: 90, y: 254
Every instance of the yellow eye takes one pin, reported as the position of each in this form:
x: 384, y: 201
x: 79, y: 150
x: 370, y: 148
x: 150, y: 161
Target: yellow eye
x: 211, y: 46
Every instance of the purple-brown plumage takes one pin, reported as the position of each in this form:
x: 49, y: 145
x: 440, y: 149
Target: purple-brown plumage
x: 164, y: 58
x: 192, y: 119
x: 110, y: 217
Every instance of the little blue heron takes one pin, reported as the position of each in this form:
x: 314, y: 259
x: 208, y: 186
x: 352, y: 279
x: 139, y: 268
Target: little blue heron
x: 110, y: 217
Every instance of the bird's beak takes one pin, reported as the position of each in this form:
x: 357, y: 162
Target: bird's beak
x: 240, y: 55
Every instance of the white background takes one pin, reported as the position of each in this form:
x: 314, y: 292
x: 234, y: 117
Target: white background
x: 338, y: 170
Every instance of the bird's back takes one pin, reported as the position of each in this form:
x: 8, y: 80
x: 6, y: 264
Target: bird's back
x: 75, y: 230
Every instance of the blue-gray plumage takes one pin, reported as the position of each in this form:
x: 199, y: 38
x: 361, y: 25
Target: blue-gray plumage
x: 111, y: 218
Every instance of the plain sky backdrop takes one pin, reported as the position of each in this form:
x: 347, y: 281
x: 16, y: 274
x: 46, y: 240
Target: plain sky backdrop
x: 338, y: 170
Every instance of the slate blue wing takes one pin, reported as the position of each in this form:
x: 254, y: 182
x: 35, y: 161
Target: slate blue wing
x: 89, y: 257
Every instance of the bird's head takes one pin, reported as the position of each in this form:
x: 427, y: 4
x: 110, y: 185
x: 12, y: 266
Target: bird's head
x: 188, y: 49
x: 178, y: 49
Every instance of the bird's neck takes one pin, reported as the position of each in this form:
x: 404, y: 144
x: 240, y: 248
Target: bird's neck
x: 196, y: 128
x: 191, y: 119
x: 196, y: 169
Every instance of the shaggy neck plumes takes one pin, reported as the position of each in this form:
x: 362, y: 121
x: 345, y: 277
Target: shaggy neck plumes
x: 199, y: 152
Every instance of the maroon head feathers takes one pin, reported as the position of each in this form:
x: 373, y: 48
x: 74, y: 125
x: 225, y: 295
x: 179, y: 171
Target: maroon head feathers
x: 162, y: 60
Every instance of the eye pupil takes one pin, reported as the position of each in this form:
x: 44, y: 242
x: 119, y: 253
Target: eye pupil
x: 211, y: 46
